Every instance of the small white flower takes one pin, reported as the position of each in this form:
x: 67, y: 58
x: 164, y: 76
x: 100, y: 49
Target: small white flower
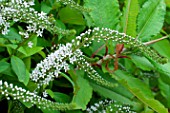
x: 30, y: 44
x: 45, y: 94
x: 42, y: 15
x: 39, y: 33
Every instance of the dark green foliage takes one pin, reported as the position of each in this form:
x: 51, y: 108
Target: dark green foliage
x: 90, y: 71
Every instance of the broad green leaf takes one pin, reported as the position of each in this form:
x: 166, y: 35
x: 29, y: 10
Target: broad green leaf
x: 142, y: 62
x: 13, y: 35
x: 19, y: 68
x: 45, y: 8
x: 27, y: 104
x: 12, y: 47
x: 59, y: 97
x: 3, y: 66
x: 164, y: 70
x: 82, y: 91
x: 71, y: 16
x: 140, y: 90
x: 163, y: 47
x: 165, y: 89
x: 150, y: 19
x: 105, y: 13
x: 27, y: 62
x: 107, y: 93
x: 31, y: 51
x: 130, y: 13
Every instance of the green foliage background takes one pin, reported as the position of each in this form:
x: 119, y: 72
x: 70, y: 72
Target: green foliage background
x: 141, y: 83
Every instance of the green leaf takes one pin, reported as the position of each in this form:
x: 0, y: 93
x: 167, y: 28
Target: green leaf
x: 59, y: 97
x: 140, y: 90
x: 130, y: 13
x: 82, y: 91
x: 13, y: 35
x: 104, y: 13
x: 3, y: 66
x: 141, y: 2
x: 165, y: 89
x: 163, y: 50
x: 71, y: 16
x: 19, y: 68
x: 150, y: 19
x: 31, y: 51
x: 164, y: 70
x: 142, y: 62
x: 45, y: 8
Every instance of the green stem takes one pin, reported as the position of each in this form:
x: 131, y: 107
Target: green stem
x: 156, y: 40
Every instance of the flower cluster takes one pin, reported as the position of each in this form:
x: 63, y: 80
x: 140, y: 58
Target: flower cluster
x: 21, y: 11
x: 58, y: 61
x: 54, y: 63
x: 109, y: 34
x: 73, y: 4
x: 109, y: 106
x: 18, y: 93
x: 92, y: 74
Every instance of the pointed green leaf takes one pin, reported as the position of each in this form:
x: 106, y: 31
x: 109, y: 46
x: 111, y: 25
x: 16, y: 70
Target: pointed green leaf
x: 71, y: 16
x: 12, y: 35
x: 82, y: 91
x: 165, y: 89
x: 151, y: 18
x: 4, y: 66
x: 130, y: 13
x: 140, y: 90
x: 163, y: 50
x: 59, y: 97
x: 105, y: 13
x: 19, y: 68
x: 142, y: 62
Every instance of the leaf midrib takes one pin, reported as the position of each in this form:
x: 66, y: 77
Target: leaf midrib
x: 148, y: 19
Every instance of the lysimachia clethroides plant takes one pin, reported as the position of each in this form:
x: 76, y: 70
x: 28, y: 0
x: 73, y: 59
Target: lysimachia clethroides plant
x: 41, y: 58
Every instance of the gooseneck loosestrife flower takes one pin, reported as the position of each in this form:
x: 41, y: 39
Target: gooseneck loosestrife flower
x: 74, y: 5
x: 58, y: 61
x: 105, y: 106
x: 21, y: 11
x: 19, y: 93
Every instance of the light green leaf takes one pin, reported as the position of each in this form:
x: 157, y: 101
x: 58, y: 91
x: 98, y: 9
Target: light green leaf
x: 130, y: 13
x: 59, y: 97
x: 140, y: 90
x: 4, y: 66
x: 45, y: 8
x: 142, y: 62
x: 105, y: 13
x: 82, y: 91
x: 19, y: 68
x: 165, y: 89
x: 13, y: 35
x: 163, y: 50
x: 71, y: 16
x: 31, y: 51
x: 150, y: 19
x: 164, y: 70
